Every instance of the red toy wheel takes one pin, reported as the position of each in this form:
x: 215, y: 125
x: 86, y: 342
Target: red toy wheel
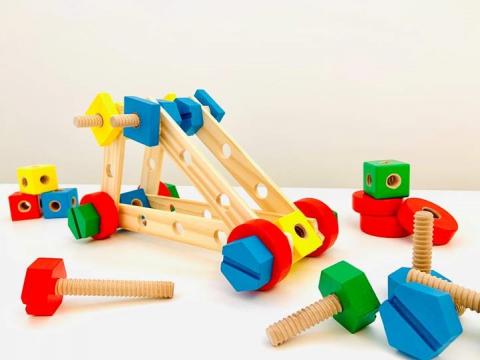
x: 107, y: 211
x: 327, y: 222
x: 367, y: 205
x: 385, y: 226
x: 274, y: 240
x: 444, y: 224
x: 163, y: 190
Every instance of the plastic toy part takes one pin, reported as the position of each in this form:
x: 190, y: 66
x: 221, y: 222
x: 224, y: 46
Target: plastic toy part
x: 24, y: 206
x: 419, y: 321
x: 386, y: 226
x: 37, y: 179
x: 83, y: 221
x: 359, y: 301
x: 385, y: 179
x: 247, y: 264
x: 364, y: 204
x: 107, y: 211
x: 327, y: 222
x: 135, y: 197
x: 104, y: 106
x: 444, y: 224
x: 56, y: 204
x: 274, y: 240
x: 191, y: 114
x: 205, y: 99
x: 148, y: 131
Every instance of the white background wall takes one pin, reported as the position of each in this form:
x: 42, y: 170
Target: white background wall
x: 311, y: 88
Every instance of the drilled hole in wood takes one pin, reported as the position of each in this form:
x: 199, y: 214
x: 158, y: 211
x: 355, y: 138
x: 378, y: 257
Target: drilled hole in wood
x: 385, y: 162
x: 54, y: 206
x: 186, y: 157
x: 178, y: 228
x: 172, y: 208
x: 24, y: 206
x: 220, y: 237
x: 435, y: 214
x: 143, y: 220
x: 152, y: 164
x: 74, y: 201
x: 136, y: 202
x: 207, y: 214
x: 369, y: 180
x: 24, y: 182
x: 226, y: 151
x: 393, y: 181
x: 223, y: 200
x: 261, y: 191
x: 108, y: 170
x: 300, y: 231
x: 44, y: 179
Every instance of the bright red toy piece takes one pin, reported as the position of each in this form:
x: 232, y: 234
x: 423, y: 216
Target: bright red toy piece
x: 385, y: 226
x: 106, y: 209
x: 367, y: 205
x: 163, y: 190
x: 24, y: 206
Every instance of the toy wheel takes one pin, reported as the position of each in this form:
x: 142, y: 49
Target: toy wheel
x: 385, y: 226
x: 107, y: 211
x: 274, y: 240
x: 327, y: 222
x: 367, y: 205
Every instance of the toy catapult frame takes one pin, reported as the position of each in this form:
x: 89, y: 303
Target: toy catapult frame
x: 262, y: 244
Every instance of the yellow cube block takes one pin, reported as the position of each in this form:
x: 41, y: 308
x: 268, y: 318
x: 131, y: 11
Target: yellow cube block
x: 37, y: 179
x: 304, y: 237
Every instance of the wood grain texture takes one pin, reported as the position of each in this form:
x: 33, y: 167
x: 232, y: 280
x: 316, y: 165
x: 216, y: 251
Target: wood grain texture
x: 152, y: 169
x: 112, y: 172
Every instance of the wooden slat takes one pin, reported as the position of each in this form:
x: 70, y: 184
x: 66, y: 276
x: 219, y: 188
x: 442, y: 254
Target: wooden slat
x: 152, y: 169
x: 112, y: 173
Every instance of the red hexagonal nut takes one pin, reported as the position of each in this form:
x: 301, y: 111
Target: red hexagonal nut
x: 107, y: 211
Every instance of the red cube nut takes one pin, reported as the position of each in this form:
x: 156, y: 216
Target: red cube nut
x: 24, y: 206
x: 444, y: 224
x: 368, y: 205
x: 38, y: 292
x: 385, y: 226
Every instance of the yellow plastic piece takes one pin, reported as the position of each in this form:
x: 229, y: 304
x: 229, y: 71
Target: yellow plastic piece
x: 305, y: 238
x: 37, y: 179
x: 104, y: 106
x: 170, y: 97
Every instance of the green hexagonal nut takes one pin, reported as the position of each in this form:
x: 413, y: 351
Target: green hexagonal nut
x: 352, y: 288
x: 83, y: 221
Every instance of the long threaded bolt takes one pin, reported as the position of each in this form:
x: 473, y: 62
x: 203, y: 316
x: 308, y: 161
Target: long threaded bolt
x: 83, y: 121
x: 423, y: 241
x: 291, y: 326
x: 461, y: 295
x: 125, y: 120
x: 124, y: 288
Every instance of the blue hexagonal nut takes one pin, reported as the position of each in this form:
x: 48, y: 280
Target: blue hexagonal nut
x: 400, y: 277
x: 247, y: 264
x: 420, y: 321
x: 148, y: 132
x: 205, y: 99
x: 171, y: 109
x: 191, y: 114
x: 135, y: 197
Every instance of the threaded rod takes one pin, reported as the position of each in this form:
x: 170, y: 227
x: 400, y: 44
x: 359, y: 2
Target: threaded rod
x: 124, y: 288
x: 83, y: 121
x: 125, y: 120
x: 289, y: 327
x: 423, y: 241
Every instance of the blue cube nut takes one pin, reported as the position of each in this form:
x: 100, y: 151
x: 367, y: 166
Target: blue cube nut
x: 148, y: 132
x: 247, y: 264
x: 171, y: 109
x: 191, y: 113
x: 205, y: 99
x: 55, y: 204
x: 135, y: 197
x: 420, y: 321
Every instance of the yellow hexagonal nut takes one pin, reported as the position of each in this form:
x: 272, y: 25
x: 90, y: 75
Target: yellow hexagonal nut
x: 170, y: 97
x: 37, y: 179
x: 304, y: 237
x: 104, y: 106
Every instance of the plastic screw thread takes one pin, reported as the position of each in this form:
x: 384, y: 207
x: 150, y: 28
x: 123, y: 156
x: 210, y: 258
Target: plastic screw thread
x: 289, y: 327
x: 84, y: 121
x: 423, y: 241
x: 461, y: 295
x: 125, y: 120
x: 123, y: 288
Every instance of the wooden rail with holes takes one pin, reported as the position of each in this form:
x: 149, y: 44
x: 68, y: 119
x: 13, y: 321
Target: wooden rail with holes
x: 152, y: 169
x: 112, y: 173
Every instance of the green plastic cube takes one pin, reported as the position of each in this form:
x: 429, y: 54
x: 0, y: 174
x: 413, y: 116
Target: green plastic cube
x: 385, y: 179
x: 173, y: 190
x: 83, y: 221
x: 352, y: 288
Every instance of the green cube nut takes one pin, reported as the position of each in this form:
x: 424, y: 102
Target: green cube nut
x: 173, y: 190
x: 353, y: 290
x: 83, y: 221
x: 385, y: 179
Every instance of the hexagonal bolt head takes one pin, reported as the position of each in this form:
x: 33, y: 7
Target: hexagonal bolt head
x: 83, y: 221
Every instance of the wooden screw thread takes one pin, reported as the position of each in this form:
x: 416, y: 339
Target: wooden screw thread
x: 423, y: 241
x: 289, y: 327
x: 461, y: 295
x: 84, y: 121
x: 125, y: 120
x: 124, y: 288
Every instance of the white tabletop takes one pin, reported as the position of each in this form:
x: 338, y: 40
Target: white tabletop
x: 206, y: 317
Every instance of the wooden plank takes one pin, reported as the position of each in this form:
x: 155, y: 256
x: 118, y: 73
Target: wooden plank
x: 220, y: 196
x: 152, y: 169
x: 188, y: 229
x: 112, y: 172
